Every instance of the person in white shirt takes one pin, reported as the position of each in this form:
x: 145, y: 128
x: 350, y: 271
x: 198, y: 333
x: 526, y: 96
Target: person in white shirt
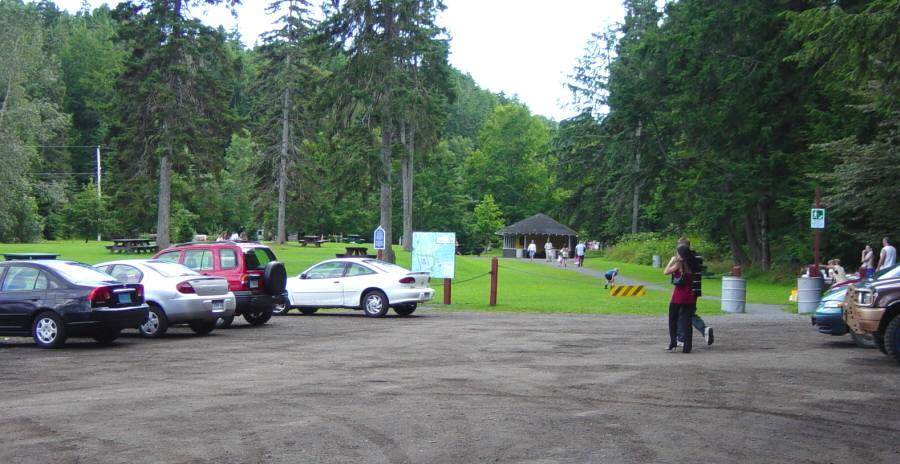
x: 532, y: 250
x: 548, y: 248
x: 579, y: 254
x: 888, y: 255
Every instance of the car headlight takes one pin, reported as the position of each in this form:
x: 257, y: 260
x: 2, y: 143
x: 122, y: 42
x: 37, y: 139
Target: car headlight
x: 865, y: 298
x: 833, y: 303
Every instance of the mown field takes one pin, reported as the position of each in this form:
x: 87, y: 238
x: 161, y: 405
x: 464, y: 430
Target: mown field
x: 523, y: 286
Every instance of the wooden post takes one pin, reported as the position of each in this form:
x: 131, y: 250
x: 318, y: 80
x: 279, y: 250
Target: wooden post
x: 493, y: 301
x: 815, y: 266
x: 447, y: 291
x: 379, y: 254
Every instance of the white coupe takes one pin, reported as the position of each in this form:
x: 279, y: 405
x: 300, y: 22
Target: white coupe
x: 358, y: 283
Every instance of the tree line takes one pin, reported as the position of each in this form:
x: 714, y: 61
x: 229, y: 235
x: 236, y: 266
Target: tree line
x: 707, y: 117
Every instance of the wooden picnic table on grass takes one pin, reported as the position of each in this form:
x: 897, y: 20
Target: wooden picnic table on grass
x: 360, y: 252
x: 133, y: 245
x: 311, y: 239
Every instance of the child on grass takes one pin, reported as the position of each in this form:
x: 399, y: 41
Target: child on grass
x: 610, y: 276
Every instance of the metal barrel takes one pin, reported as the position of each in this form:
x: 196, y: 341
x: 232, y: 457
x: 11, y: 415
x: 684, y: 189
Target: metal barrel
x: 809, y: 293
x: 657, y: 261
x: 734, y: 294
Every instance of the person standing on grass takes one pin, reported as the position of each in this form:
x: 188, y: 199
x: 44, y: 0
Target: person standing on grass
x: 532, y: 250
x: 610, y: 277
x: 683, y: 303
x: 868, y: 263
x: 579, y: 254
x: 888, y: 255
x: 548, y: 249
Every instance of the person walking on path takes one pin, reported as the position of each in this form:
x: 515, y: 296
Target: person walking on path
x: 563, y: 254
x: 868, y: 263
x: 579, y: 254
x: 888, y: 255
x: 610, y: 277
x: 683, y: 303
x: 532, y: 250
x: 548, y: 251
x: 696, y: 320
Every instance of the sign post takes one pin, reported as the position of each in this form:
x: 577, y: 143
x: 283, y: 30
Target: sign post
x: 378, y: 240
x: 817, y: 223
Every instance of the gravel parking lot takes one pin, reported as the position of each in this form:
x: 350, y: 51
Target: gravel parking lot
x: 455, y: 388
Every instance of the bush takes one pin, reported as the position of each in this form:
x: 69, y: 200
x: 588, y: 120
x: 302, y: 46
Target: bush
x: 640, y: 248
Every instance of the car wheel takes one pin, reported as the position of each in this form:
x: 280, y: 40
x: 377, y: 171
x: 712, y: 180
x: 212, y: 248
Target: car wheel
x: 375, y: 303
x: 892, y: 339
x: 203, y: 327
x: 107, y: 337
x: 864, y: 341
x: 224, y: 322
x: 48, y: 330
x: 156, y: 324
x: 405, y: 310
x: 280, y: 309
x: 308, y: 311
x: 258, y: 317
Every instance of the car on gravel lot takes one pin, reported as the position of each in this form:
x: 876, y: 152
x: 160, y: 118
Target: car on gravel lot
x: 54, y: 300
x: 175, y: 294
x: 829, y: 315
x: 873, y: 308
x: 253, y: 274
x: 359, y: 283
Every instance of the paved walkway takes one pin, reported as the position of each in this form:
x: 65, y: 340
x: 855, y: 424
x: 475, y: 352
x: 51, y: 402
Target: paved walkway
x: 751, y: 308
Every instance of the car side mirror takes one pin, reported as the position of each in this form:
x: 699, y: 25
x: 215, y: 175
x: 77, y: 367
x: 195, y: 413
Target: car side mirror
x: 303, y: 276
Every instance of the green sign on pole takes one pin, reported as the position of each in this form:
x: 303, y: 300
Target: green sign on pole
x: 817, y: 218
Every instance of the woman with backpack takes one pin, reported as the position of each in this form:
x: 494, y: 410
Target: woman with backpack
x: 683, y: 303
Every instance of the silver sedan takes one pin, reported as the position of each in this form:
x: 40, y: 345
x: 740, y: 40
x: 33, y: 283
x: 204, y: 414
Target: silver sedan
x: 175, y: 294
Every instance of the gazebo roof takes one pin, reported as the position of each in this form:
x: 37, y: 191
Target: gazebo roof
x: 539, y: 224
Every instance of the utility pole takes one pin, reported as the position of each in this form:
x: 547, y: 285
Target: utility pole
x: 99, y: 194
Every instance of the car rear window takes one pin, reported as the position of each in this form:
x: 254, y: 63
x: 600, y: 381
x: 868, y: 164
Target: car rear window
x: 257, y: 258
x: 385, y: 266
x: 81, y: 274
x: 171, y: 269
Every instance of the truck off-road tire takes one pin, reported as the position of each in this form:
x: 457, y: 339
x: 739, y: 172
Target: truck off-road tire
x: 405, y: 310
x: 48, y: 330
x: 107, y: 337
x: 864, y: 341
x: 156, y: 324
x: 224, y: 322
x: 275, y: 278
x: 375, y: 303
x: 892, y: 338
x: 308, y: 311
x: 203, y: 327
x: 258, y: 317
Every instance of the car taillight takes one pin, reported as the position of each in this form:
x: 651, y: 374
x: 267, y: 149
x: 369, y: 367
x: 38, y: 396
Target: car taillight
x: 407, y: 280
x: 185, y: 287
x: 139, y: 292
x: 100, y: 296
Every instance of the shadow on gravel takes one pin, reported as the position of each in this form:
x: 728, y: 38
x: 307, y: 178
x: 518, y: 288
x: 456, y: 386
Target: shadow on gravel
x: 358, y: 315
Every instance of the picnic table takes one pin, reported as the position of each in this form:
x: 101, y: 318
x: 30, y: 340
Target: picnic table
x: 353, y: 238
x: 360, y: 252
x: 132, y: 245
x: 26, y: 256
x: 311, y: 239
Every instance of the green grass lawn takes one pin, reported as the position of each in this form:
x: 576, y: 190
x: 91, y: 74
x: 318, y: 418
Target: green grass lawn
x: 523, y: 286
x: 758, y: 291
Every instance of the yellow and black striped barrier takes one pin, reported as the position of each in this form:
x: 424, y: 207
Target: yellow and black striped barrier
x: 627, y: 290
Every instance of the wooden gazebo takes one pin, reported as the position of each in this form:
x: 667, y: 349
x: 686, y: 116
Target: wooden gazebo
x: 539, y: 228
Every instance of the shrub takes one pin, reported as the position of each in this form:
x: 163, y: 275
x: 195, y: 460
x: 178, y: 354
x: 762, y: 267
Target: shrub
x: 639, y: 248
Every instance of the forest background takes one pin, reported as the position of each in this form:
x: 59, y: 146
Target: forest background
x: 714, y: 119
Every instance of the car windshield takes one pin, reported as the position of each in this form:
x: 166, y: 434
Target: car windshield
x: 257, y: 258
x: 385, y: 266
x: 80, y: 274
x: 171, y: 269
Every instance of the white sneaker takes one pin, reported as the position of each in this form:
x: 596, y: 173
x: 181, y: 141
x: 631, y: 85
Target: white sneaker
x: 680, y: 344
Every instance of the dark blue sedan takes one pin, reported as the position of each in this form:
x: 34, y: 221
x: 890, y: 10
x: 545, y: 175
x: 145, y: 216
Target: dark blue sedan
x: 53, y: 300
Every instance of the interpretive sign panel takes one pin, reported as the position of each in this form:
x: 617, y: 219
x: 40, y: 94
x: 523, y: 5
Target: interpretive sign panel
x: 817, y: 218
x: 434, y: 252
x: 378, y: 238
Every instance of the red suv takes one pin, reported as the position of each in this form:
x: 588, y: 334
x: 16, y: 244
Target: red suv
x: 254, y: 276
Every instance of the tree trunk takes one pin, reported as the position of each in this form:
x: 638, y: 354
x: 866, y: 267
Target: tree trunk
x: 163, y: 216
x: 762, y: 217
x: 635, y: 202
x: 282, y: 162
x: 407, y: 180
x: 386, y: 201
x: 737, y: 252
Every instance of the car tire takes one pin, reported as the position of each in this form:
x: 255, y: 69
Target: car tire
x: 48, y: 330
x: 280, y: 309
x: 405, y: 310
x: 107, y: 337
x: 224, y: 322
x: 308, y: 311
x: 258, y: 317
x: 864, y: 341
x: 156, y: 324
x: 892, y: 338
x: 203, y: 326
x: 375, y: 303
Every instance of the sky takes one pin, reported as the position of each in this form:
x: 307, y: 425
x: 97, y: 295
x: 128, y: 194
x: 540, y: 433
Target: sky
x: 520, y: 47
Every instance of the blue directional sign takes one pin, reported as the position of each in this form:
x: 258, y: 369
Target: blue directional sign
x: 378, y: 238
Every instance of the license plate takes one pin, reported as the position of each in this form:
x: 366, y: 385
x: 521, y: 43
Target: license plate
x: 254, y: 284
x: 124, y: 298
x: 218, y: 305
